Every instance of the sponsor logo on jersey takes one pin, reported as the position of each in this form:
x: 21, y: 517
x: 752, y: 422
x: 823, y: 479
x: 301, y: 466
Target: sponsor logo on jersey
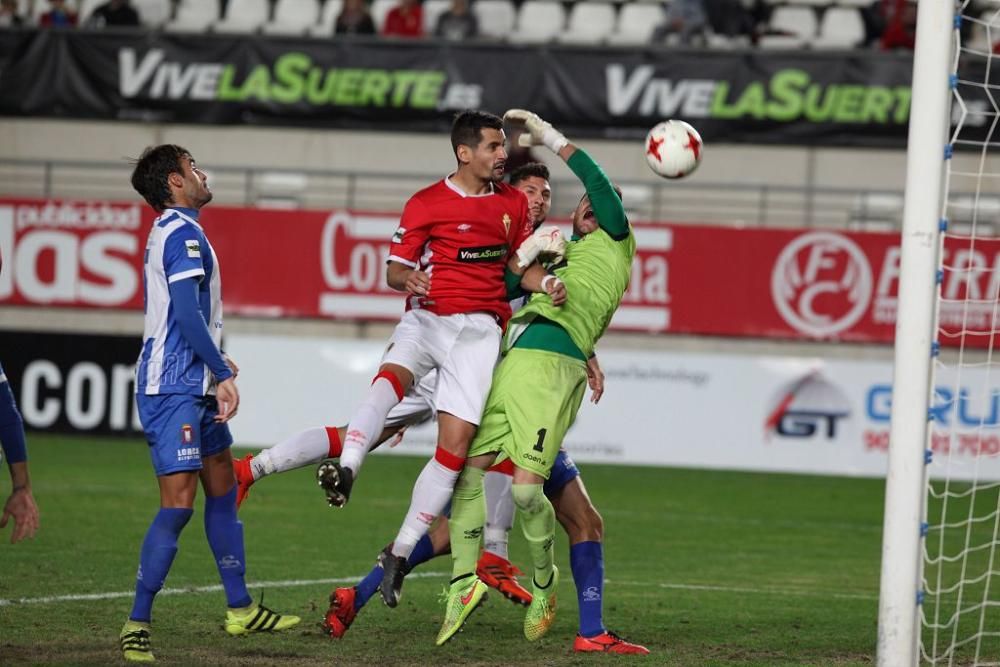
x: 464, y: 227
x: 187, y: 435
x: 490, y: 253
x: 531, y: 457
x: 193, y: 249
x: 397, y: 236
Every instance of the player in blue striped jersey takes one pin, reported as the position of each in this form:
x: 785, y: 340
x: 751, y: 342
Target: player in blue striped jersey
x: 20, y: 505
x: 186, y: 392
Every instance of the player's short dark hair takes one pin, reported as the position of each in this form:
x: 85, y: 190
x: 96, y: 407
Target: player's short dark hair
x: 154, y: 166
x: 467, y: 130
x: 618, y: 191
x: 529, y: 170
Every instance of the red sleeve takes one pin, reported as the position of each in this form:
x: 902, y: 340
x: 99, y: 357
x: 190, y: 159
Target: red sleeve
x: 521, y: 229
x: 414, y: 230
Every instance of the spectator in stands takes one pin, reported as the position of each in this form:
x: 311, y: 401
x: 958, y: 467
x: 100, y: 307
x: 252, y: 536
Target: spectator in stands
x: 59, y: 15
x: 729, y: 18
x: 114, y: 13
x: 457, y: 23
x: 8, y: 15
x: 900, y: 21
x: 354, y: 19
x: 686, y: 18
x: 404, y: 20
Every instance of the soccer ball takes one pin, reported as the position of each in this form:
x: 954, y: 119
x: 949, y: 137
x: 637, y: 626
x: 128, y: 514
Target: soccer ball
x: 673, y: 149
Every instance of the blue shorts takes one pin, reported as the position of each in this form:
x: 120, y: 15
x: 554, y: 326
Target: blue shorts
x: 563, y: 472
x: 180, y: 429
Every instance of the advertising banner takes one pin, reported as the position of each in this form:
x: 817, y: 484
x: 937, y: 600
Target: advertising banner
x: 762, y: 283
x: 73, y: 383
x: 838, y: 99
x: 743, y: 412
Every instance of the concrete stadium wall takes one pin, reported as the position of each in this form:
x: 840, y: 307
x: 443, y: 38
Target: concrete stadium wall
x: 430, y: 154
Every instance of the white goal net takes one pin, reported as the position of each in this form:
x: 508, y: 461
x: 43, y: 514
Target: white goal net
x: 960, y: 585
x: 940, y: 589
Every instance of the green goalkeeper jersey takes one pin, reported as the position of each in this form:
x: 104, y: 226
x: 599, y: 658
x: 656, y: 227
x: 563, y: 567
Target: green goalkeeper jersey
x: 596, y: 274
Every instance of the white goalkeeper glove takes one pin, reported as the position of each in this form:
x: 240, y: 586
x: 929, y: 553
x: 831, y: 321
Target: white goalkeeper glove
x: 546, y: 241
x: 540, y: 132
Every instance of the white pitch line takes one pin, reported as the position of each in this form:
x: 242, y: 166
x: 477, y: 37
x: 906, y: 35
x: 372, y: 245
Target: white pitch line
x: 296, y: 583
x: 288, y: 583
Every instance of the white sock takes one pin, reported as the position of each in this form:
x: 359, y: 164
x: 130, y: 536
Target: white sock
x: 367, y: 422
x: 431, y: 494
x: 499, y: 513
x: 301, y: 449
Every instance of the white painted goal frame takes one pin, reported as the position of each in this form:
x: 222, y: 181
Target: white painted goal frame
x: 924, y: 218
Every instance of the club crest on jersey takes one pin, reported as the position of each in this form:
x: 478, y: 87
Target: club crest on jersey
x: 397, y: 236
x: 193, y: 248
x: 187, y: 434
x: 506, y: 222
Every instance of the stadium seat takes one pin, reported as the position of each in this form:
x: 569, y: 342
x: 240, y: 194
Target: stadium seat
x: 636, y: 23
x: 795, y: 27
x: 496, y: 17
x: 194, y: 16
x: 293, y: 17
x: 433, y: 9
x: 244, y: 16
x: 153, y: 13
x: 589, y: 23
x: 539, y: 21
x: 327, y: 19
x: 841, y: 28
x: 380, y: 9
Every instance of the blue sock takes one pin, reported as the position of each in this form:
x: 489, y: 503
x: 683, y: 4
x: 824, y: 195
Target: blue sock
x: 422, y: 553
x: 225, y: 536
x: 158, y: 551
x: 587, y: 561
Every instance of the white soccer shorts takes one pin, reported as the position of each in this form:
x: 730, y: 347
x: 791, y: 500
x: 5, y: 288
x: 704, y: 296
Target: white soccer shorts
x: 462, y: 347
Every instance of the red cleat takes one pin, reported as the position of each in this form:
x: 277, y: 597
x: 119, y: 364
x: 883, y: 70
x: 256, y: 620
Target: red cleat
x: 244, y: 478
x: 500, y: 574
x: 341, y: 613
x: 607, y: 642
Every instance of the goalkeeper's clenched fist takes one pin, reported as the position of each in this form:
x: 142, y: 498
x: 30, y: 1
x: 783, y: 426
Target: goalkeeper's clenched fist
x: 540, y: 132
x: 547, y: 245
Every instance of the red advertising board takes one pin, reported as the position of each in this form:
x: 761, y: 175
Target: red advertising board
x: 798, y: 284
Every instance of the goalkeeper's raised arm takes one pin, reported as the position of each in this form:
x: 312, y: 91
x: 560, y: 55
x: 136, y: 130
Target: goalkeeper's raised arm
x: 605, y: 200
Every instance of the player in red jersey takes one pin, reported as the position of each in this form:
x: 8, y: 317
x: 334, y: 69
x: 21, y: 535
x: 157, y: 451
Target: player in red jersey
x: 463, y: 247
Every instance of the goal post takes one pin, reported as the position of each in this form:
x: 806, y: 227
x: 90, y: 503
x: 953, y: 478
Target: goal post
x: 898, y: 616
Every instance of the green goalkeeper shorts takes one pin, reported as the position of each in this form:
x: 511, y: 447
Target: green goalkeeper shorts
x: 533, y: 401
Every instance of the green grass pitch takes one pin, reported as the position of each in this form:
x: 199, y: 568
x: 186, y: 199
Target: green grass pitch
x: 703, y: 567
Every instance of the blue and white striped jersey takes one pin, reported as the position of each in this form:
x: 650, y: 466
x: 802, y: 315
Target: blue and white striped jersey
x: 177, y: 248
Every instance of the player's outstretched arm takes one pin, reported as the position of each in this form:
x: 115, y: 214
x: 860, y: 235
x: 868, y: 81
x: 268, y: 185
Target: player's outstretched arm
x: 607, y: 205
x: 20, y: 505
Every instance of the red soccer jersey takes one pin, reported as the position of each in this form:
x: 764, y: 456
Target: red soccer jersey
x: 463, y: 242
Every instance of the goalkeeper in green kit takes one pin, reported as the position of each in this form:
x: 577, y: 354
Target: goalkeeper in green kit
x: 539, y: 385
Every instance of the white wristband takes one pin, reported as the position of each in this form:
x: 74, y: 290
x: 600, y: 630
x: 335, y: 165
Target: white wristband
x: 547, y: 278
x: 554, y: 139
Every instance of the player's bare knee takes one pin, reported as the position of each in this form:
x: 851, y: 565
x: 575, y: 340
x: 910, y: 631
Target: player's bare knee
x: 594, y: 526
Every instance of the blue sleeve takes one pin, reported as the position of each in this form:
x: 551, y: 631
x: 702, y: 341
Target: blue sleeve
x: 190, y: 321
x: 11, y: 427
x: 182, y: 253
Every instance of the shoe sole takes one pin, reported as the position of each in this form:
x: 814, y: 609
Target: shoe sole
x: 462, y: 619
x: 328, y: 478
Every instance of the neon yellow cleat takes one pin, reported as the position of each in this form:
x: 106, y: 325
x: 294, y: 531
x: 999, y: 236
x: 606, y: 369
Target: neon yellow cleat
x: 134, y: 640
x: 542, y: 611
x: 257, y: 618
x: 461, y: 599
